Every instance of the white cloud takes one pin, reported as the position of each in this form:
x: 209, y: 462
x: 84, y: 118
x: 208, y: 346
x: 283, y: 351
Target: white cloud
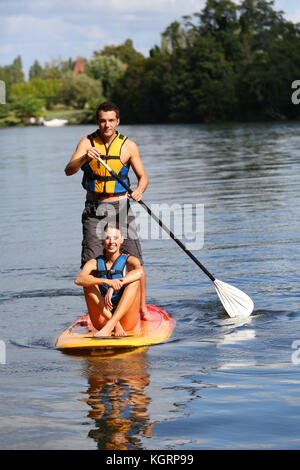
x: 130, y: 17
x: 294, y: 17
x: 101, y: 8
x: 6, y: 48
x: 28, y: 26
x: 157, y: 5
x: 133, y: 6
x: 290, y: 8
x: 92, y: 32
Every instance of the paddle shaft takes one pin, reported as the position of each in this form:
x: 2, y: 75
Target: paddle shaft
x: 161, y: 224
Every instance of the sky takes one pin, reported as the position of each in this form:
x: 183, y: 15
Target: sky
x: 59, y: 29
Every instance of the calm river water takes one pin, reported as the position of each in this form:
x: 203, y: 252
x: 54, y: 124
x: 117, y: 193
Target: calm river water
x: 218, y: 383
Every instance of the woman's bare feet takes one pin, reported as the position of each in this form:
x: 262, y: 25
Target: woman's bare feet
x: 107, y: 331
x: 119, y: 331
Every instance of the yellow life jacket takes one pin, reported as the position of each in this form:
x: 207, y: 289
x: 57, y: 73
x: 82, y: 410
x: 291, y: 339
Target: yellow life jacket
x: 96, y: 177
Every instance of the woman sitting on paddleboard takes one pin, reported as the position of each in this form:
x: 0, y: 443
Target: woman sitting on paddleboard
x: 112, y: 296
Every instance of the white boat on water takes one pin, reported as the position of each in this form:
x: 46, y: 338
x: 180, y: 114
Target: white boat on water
x: 55, y: 122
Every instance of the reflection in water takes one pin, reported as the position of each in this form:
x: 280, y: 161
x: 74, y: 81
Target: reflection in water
x: 234, y: 330
x: 118, y: 400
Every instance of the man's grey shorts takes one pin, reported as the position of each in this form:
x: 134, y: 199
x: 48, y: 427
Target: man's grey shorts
x: 96, y: 215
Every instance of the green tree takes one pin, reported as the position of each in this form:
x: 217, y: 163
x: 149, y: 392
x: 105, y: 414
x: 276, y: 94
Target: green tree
x: 201, y: 84
x: 231, y: 61
x: 56, y: 68
x: 125, y: 52
x: 77, y: 90
x: 36, y: 70
x: 16, y: 70
x: 219, y: 19
x: 105, y: 69
x: 173, y: 38
x: 11, y: 74
x: 140, y: 93
x: 27, y: 107
x: 47, y: 90
x: 270, y: 61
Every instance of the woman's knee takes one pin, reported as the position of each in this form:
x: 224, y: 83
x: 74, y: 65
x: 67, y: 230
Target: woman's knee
x: 91, y: 290
x: 92, y: 294
x: 135, y: 285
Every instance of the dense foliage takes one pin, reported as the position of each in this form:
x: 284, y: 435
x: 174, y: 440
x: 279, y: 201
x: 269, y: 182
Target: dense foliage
x: 227, y: 62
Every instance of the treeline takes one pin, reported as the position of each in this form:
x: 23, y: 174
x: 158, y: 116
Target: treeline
x: 57, y: 87
x: 226, y: 62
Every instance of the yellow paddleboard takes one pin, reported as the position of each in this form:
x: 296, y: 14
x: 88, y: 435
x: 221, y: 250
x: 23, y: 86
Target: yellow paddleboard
x: 156, y: 330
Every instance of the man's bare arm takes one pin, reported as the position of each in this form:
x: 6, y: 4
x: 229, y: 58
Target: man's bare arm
x: 138, y: 168
x: 79, y: 157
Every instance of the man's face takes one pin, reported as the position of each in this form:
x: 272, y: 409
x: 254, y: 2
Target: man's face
x: 108, y: 122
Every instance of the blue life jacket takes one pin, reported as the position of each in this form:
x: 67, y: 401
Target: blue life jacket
x: 117, y: 271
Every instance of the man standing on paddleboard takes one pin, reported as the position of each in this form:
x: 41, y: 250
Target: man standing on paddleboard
x: 106, y: 198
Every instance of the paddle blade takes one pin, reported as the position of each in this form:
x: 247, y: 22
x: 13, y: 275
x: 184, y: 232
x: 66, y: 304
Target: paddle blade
x: 235, y: 301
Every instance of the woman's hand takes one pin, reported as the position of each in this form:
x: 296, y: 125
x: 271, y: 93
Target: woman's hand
x: 107, y: 299
x: 115, y: 284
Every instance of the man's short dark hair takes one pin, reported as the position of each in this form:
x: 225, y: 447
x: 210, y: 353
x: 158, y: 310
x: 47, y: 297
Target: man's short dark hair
x: 107, y: 106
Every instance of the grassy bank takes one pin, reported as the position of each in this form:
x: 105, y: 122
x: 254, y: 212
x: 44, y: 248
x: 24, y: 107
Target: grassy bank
x: 9, y: 118
x: 74, y: 116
